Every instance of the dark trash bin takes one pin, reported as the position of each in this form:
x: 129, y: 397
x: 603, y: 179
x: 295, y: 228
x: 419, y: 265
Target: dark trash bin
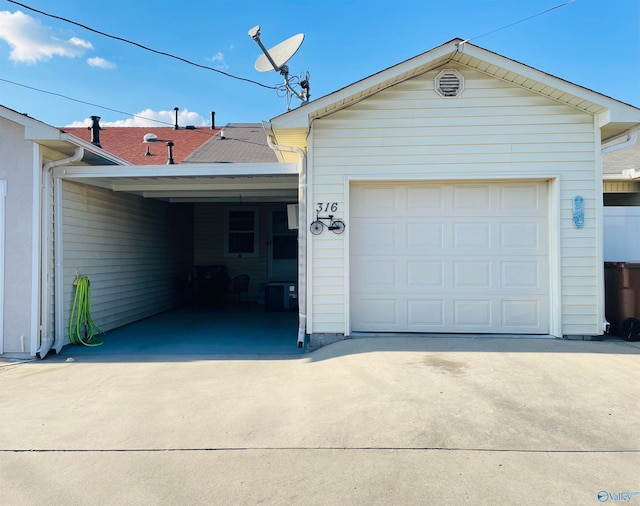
x: 622, y: 301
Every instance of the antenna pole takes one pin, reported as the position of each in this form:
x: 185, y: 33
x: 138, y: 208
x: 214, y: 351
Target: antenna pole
x: 256, y: 36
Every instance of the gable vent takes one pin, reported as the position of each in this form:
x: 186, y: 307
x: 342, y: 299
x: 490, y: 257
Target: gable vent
x: 449, y: 83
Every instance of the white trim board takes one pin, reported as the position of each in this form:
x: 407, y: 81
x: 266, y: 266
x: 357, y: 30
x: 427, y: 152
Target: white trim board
x: 3, y: 194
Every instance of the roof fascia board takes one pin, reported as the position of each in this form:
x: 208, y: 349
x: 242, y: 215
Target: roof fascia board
x: 620, y: 112
x: 189, y: 169
x: 299, y: 118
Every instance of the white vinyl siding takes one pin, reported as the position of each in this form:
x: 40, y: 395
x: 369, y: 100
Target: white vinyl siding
x: 493, y: 131
x: 134, y: 251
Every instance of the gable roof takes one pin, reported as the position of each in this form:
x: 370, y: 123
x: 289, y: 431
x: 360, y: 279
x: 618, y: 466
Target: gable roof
x: 616, y: 117
x: 54, y: 143
x: 242, y: 143
x: 127, y: 142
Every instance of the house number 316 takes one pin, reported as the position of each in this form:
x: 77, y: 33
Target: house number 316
x: 325, y: 207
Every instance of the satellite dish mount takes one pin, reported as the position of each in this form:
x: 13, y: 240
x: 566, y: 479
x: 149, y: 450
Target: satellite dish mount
x: 276, y: 59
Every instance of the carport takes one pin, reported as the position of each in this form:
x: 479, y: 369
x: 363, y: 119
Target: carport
x: 144, y: 233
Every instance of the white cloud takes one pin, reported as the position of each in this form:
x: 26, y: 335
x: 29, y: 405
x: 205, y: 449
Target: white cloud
x: 219, y: 59
x: 81, y: 43
x: 101, y: 63
x: 32, y: 42
x: 146, y: 119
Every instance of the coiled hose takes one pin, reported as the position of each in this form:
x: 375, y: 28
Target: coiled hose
x: 80, y: 318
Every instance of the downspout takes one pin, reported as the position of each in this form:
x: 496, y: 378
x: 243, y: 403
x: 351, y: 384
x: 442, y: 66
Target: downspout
x: 302, y: 229
x: 47, y: 341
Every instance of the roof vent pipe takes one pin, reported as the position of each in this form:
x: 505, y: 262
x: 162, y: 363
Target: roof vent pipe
x: 213, y: 120
x: 95, y: 131
x: 175, y: 126
x: 170, y: 147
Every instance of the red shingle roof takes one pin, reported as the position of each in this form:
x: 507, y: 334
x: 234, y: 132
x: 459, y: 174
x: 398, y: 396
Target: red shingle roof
x: 126, y: 142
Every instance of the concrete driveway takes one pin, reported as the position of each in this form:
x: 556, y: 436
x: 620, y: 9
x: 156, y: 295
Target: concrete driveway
x: 363, y: 421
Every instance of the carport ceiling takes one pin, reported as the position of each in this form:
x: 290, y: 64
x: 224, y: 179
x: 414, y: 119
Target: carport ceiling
x: 275, y: 182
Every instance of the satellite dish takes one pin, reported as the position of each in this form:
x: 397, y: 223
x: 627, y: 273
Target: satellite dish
x: 276, y: 59
x: 280, y: 54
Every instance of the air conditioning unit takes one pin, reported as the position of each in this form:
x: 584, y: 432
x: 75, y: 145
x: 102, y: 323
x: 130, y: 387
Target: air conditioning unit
x: 281, y: 296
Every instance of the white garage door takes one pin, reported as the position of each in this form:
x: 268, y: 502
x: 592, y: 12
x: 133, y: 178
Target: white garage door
x: 449, y: 257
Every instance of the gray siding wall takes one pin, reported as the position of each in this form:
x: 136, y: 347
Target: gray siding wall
x: 137, y: 252
x: 16, y: 168
x: 494, y: 130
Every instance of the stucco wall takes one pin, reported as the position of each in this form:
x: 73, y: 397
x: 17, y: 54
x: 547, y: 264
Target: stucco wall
x: 16, y: 168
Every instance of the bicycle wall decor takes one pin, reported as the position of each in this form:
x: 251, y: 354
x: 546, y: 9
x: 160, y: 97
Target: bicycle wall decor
x: 336, y: 225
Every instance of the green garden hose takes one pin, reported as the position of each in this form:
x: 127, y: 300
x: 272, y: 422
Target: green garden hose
x: 80, y: 318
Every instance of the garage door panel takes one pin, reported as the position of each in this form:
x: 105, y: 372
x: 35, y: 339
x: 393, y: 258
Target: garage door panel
x: 374, y: 200
x: 450, y: 257
x: 472, y: 313
x: 372, y: 274
x: 458, y: 315
x: 520, y: 235
x: 522, y: 197
x: 471, y: 198
x: 424, y: 236
x: 368, y: 235
x: 520, y: 274
x: 474, y: 235
x: 384, y: 313
x: 425, y: 274
x: 472, y: 274
x: 418, y: 199
x: 521, y: 314
x: 425, y: 313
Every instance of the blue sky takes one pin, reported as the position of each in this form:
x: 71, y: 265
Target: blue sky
x: 593, y: 43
